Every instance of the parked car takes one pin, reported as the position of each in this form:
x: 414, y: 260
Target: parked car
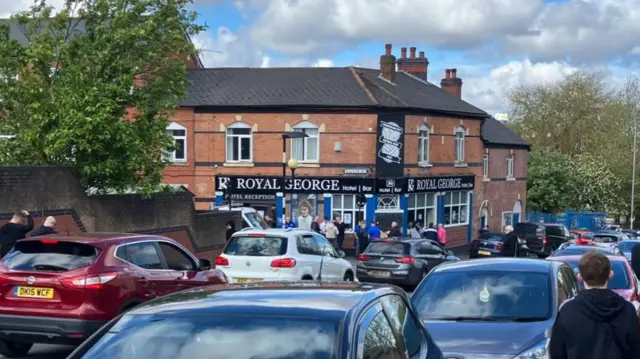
x: 400, y: 262
x: 579, y: 250
x: 581, y: 237
x: 631, y: 233
x: 274, y: 320
x: 487, y: 245
x: 282, y: 255
x: 609, y: 239
x: 623, y: 282
x: 626, y: 246
x: 497, y: 308
x: 542, y: 238
x: 60, y: 289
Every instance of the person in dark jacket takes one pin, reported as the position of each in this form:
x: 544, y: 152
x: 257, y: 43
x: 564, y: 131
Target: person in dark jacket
x: 394, y: 232
x: 597, y: 323
x: 342, y: 227
x: 431, y: 233
x: 20, y: 224
x: 231, y: 229
x: 48, y: 227
x: 510, y: 244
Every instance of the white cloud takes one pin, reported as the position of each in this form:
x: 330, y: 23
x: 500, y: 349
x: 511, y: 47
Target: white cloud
x: 324, y: 63
x: 224, y: 48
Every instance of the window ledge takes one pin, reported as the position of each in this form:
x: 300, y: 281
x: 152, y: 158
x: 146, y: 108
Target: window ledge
x: 308, y: 165
x: 179, y: 163
x: 425, y: 164
x: 455, y: 225
x: 238, y: 164
x: 511, y: 178
x: 461, y: 164
x: 486, y: 179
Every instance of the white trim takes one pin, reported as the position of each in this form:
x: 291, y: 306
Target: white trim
x: 434, y: 207
x: 458, y: 204
x: 279, y: 194
x: 342, y: 209
x: 303, y: 126
x: 229, y: 134
x: 459, y: 144
x: 485, y: 166
x: 424, y: 145
x: 327, y: 195
x: 510, y: 166
x: 218, y: 193
x: 174, y: 126
x: 239, y: 125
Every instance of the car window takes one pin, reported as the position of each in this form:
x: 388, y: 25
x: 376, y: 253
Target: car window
x: 599, y: 238
x: 144, y: 255
x: 620, y: 279
x: 554, y: 231
x: 587, y: 235
x: 389, y: 247
x: 565, y: 232
x: 176, y: 259
x: 306, y: 245
x: 404, y: 323
x: 626, y: 246
x: 575, y: 235
x: 571, y: 281
x: 379, y: 341
x: 427, y: 248
x: 562, y: 291
x: 256, y: 245
x: 50, y: 255
x: 323, y: 246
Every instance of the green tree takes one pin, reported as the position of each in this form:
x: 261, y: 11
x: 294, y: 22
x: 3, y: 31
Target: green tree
x: 597, y: 188
x: 550, y: 182
x: 75, y: 104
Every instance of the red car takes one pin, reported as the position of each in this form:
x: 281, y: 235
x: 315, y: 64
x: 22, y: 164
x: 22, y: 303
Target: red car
x: 583, y: 238
x: 61, y: 289
x: 623, y: 282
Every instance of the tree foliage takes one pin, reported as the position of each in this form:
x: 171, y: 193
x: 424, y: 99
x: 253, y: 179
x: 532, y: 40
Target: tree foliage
x: 550, y: 182
x: 74, y: 103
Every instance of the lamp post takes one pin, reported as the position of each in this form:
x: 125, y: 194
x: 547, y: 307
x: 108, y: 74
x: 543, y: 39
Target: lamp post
x: 285, y: 136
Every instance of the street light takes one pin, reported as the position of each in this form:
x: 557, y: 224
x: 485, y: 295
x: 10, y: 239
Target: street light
x: 292, y: 164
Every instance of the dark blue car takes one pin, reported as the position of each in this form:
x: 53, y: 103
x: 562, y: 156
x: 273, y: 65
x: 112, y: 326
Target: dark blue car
x: 495, y: 308
x: 306, y: 320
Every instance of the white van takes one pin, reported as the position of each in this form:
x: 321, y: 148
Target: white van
x: 250, y: 217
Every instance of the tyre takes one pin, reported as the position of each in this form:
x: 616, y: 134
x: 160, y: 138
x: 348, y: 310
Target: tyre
x: 11, y: 349
x: 348, y: 277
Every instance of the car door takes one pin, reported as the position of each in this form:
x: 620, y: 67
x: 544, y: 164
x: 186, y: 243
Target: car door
x: 431, y: 253
x: 406, y: 326
x: 181, y: 266
x: 375, y: 337
x: 146, y: 255
x: 331, y: 269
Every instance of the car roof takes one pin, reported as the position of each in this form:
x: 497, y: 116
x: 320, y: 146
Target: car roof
x: 500, y: 264
x: 92, y: 237
x: 301, y: 299
x: 605, y: 233
x: 612, y: 258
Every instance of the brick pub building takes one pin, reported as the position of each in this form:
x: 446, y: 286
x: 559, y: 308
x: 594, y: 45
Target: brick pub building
x: 415, y: 150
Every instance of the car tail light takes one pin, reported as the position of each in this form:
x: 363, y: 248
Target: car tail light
x: 283, y: 263
x: 498, y: 245
x: 544, y: 240
x: 91, y: 281
x: 363, y: 258
x: 405, y: 260
x: 49, y: 241
x: 222, y: 261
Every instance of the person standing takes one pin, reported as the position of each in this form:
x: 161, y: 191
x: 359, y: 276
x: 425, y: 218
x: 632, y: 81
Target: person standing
x: 394, y: 232
x: 442, y: 235
x: 20, y: 224
x: 431, y: 233
x: 323, y: 225
x: 331, y: 233
x: 597, y: 323
x: 510, y: 244
x: 315, y: 225
x: 341, y: 229
x: 47, y: 228
x: 231, y: 229
x: 288, y: 223
x: 373, y: 231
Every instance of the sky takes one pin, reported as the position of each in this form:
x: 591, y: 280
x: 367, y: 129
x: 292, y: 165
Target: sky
x: 496, y: 45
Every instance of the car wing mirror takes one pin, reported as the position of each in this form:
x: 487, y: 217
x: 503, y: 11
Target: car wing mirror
x: 341, y: 254
x: 204, y: 264
x: 450, y: 252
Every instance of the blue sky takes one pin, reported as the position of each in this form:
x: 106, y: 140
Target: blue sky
x: 496, y: 45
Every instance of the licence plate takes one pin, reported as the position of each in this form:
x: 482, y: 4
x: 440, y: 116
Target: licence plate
x: 378, y: 273
x: 33, y: 292
x: 248, y: 280
x: 484, y: 253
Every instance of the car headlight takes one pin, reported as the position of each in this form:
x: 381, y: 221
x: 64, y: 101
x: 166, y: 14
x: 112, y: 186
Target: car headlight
x: 538, y: 351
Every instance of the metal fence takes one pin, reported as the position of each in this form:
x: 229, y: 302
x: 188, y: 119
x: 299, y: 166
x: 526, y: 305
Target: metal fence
x: 592, y: 221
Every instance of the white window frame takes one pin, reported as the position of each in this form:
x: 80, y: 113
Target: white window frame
x: 423, y: 145
x: 228, y: 133
x: 303, y: 127
x: 458, y: 149
x: 388, y: 203
x: 342, y: 209
x: 449, y: 207
x: 510, y: 213
x: 414, y: 208
x: 510, y: 164
x: 485, y: 166
x: 174, y: 126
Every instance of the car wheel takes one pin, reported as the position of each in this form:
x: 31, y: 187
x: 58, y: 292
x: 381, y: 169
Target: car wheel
x: 348, y: 277
x: 11, y: 349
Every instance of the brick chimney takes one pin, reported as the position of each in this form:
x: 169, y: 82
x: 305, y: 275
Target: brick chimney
x: 388, y: 64
x: 451, y: 83
x: 416, y: 66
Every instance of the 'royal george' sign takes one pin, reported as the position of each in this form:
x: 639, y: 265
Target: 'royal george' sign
x: 439, y: 184
x: 272, y: 184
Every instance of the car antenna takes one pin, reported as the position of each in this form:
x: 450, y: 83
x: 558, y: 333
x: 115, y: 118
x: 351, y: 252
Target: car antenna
x: 321, y: 263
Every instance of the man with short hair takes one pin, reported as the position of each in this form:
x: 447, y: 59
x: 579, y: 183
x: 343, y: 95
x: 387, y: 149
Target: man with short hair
x: 20, y: 224
x: 597, y: 323
x: 394, y: 232
x: 510, y: 244
x: 48, y: 227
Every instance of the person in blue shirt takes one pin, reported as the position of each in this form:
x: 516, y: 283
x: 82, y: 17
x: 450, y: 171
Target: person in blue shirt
x: 361, y: 236
x: 288, y: 223
x: 373, y: 231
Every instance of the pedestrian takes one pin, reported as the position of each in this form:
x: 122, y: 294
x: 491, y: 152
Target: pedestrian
x: 331, y: 232
x: 48, y: 227
x: 288, y: 223
x: 373, y: 231
x: 315, y: 225
x: 323, y: 225
x: 231, y: 229
x: 394, y: 232
x: 270, y: 222
x: 20, y: 224
x: 597, y: 323
x: 510, y: 244
x: 431, y: 233
x: 635, y: 260
x: 442, y: 235
x: 342, y: 227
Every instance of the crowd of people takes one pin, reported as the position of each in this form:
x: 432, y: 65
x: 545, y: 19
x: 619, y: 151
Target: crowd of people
x: 19, y: 227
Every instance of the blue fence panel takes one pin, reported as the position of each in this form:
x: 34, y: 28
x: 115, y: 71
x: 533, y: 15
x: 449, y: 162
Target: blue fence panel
x: 591, y: 221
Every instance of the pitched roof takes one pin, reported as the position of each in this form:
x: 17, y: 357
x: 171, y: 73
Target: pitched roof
x: 495, y: 132
x: 337, y: 87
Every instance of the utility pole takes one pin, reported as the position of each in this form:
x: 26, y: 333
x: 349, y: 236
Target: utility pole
x: 633, y: 170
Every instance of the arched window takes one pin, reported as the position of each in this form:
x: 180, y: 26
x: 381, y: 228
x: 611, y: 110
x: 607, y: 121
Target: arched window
x: 239, y: 143
x: 306, y: 149
x: 423, y: 144
x: 179, y: 134
x: 459, y: 145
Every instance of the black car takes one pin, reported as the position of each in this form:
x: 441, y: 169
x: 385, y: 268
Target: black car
x: 496, y: 308
x: 401, y: 262
x: 542, y: 238
x: 487, y: 245
x: 308, y: 320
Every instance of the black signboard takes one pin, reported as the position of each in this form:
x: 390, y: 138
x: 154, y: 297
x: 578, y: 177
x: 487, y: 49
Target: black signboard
x: 439, y: 184
x: 390, y: 146
x: 273, y: 184
x: 390, y: 186
x: 248, y: 197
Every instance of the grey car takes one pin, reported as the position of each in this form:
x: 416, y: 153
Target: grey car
x: 626, y: 246
x: 400, y: 262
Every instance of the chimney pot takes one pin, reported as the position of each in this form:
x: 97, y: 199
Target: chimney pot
x: 421, y: 54
x: 451, y: 83
x: 404, y: 52
x: 387, y: 49
x: 454, y: 73
x: 413, y: 52
x: 447, y: 74
x: 388, y: 65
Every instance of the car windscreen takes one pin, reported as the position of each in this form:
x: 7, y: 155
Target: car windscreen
x: 493, y: 237
x: 484, y: 295
x: 50, y: 255
x: 626, y: 246
x: 388, y: 247
x: 255, y: 220
x: 217, y: 337
x: 256, y: 246
x: 620, y: 279
x: 602, y: 238
x: 588, y: 235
